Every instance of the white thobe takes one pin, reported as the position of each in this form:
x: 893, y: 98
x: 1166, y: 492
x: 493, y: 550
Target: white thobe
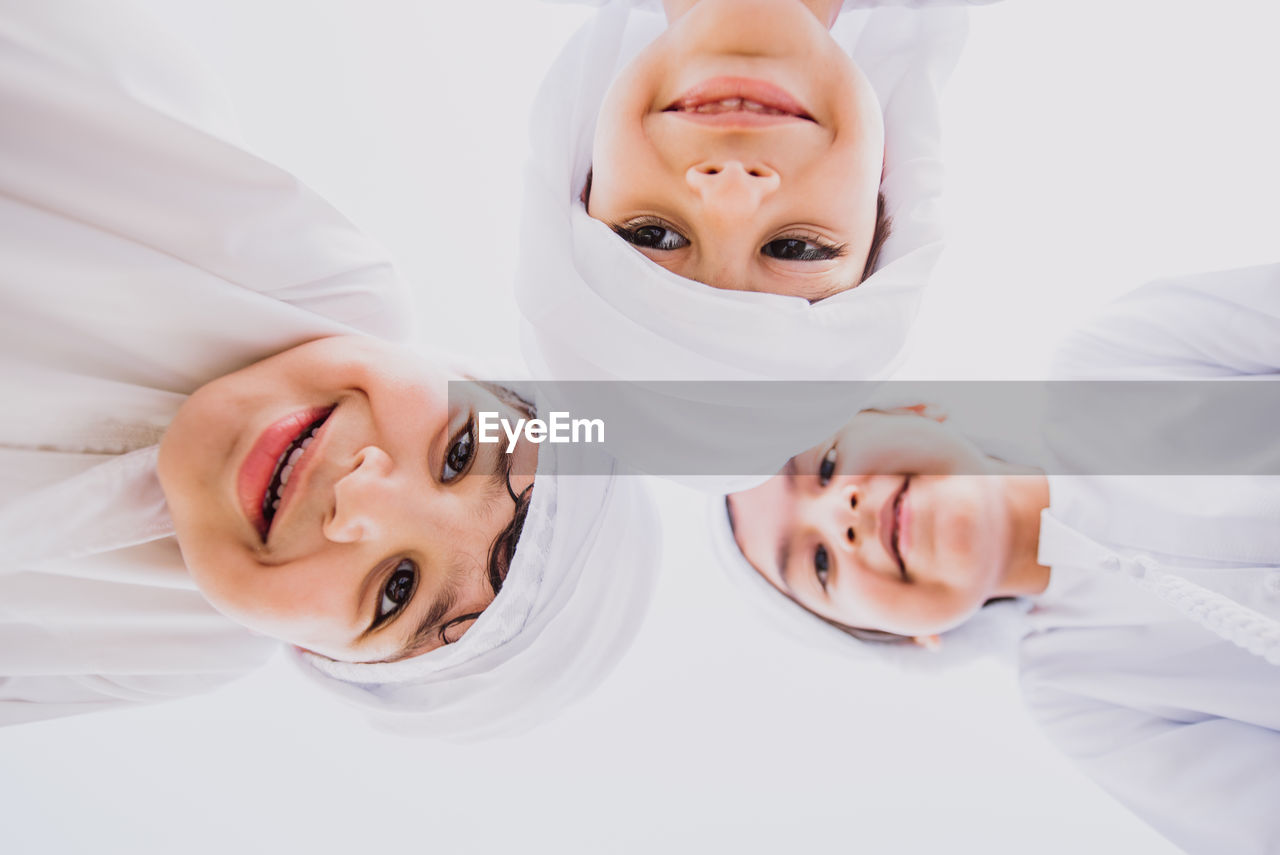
x: 1153, y: 654
x: 142, y: 254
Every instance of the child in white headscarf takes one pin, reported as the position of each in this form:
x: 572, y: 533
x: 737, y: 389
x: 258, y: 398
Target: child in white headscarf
x: 743, y: 146
x: 154, y: 542
x: 1149, y: 652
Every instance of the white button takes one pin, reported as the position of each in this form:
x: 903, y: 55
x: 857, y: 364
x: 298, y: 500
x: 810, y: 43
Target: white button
x: 1138, y: 566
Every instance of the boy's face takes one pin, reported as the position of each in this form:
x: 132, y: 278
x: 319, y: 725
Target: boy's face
x: 887, y: 527
x: 743, y: 149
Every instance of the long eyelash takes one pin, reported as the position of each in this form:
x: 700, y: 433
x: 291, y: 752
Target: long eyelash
x: 823, y: 250
x: 468, y: 430
x: 627, y: 231
x: 379, y: 620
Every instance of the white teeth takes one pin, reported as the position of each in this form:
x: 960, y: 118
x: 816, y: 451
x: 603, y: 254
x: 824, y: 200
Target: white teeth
x: 729, y: 105
x: 275, y: 506
x: 307, y: 441
x: 285, y: 473
x: 293, y: 458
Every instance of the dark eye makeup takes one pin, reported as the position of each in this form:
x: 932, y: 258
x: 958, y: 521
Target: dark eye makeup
x: 802, y: 249
x: 650, y: 233
x: 462, y: 450
x: 396, y: 592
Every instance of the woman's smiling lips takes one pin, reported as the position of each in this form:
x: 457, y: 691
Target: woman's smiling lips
x: 265, y: 465
x: 738, y: 102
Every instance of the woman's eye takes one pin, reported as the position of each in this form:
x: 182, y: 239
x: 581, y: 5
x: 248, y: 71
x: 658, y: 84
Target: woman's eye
x: 827, y: 467
x: 458, y: 457
x: 796, y: 249
x: 658, y: 236
x: 398, y: 590
x: 821, y: 565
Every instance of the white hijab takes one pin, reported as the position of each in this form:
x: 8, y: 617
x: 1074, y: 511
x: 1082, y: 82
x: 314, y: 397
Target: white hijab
x: 579, y: 585
x: 595, y: 309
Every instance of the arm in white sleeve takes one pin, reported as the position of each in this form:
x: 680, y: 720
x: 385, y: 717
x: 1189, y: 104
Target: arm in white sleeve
x: 118, y: 142
x: 1210, y: 786
x: 1224, y: 323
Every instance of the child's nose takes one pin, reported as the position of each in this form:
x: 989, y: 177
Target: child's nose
x: 360, y: 498
x: 731, y: 186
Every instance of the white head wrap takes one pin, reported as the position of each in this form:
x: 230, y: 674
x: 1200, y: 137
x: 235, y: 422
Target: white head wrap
x: 574, y: 596
x: 595, y: 309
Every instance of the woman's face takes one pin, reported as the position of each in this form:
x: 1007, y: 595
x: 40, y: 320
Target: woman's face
x: 743, y: 149
x: 888, y: 526
x: 334, y: 497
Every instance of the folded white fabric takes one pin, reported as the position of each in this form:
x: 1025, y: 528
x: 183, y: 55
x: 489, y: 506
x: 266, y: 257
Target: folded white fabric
x: 575, y: 594
x: 595, y: 309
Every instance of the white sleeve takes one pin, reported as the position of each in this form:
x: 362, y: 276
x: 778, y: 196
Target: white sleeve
x: 103, y: 130
x: 1209, y: 785
x: 1219, y: 324
x: 36, y: 698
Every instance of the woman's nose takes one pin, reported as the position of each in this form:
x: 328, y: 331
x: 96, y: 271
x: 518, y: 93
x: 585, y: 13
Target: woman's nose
x: 358, y: 498
x: 731, y: 186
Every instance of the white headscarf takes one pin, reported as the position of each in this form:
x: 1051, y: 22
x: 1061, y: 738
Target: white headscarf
x: 576, y: 591
x: 596, y: 309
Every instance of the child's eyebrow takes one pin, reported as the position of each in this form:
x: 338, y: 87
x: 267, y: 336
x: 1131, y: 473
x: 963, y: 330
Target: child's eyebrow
x: 783, y: 556
x: 430, y: 623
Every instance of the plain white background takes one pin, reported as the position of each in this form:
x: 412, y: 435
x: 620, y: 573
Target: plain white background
x: 1091, y: 146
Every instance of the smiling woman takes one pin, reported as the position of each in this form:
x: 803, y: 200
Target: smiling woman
x: 244, y: 452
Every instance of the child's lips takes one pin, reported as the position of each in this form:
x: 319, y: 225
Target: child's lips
x: 891, y: 528
x: 744, y: 100
x: 262, y: 467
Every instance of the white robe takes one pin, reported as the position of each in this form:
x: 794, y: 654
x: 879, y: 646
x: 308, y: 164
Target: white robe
x: 1152, y: 694
x: 141, y: 255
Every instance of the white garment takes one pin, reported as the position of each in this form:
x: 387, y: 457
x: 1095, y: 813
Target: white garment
x: 596, y: 309
x: 1152, y: 656
x: 141, y: 255
x: 200, y: 259
x: 1147, y: 657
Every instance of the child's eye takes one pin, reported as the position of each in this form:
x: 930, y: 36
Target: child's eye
x: 460, y: 453
x: 798, y: 249
x: 651, y: 234
x: 821, y: 565
x: 398, y: 590
x: 827, y: 467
